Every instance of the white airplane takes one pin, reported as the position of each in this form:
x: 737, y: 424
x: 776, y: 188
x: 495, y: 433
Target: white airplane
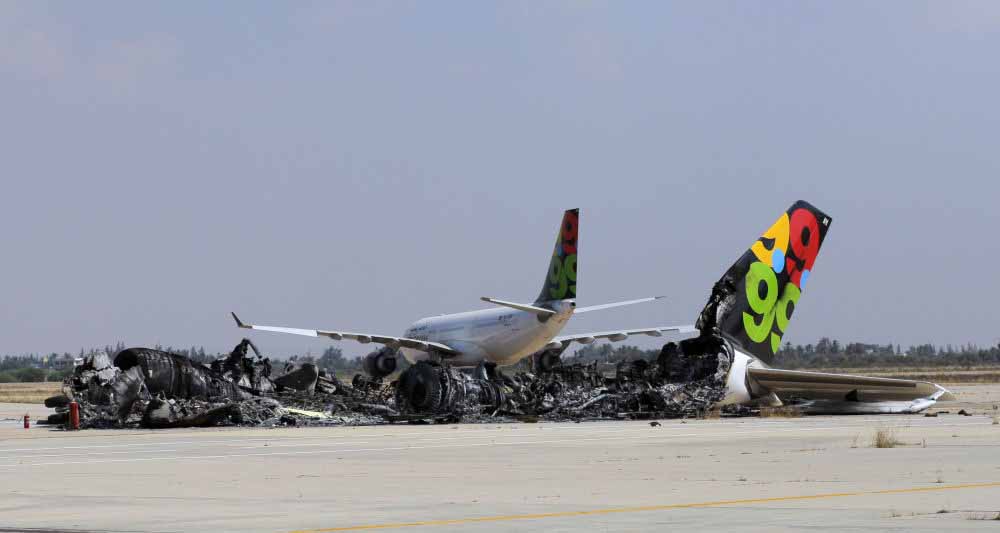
x: 749, y: 311
x: 503, y: 335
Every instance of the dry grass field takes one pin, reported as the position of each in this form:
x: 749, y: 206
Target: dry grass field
x: 28, y: 392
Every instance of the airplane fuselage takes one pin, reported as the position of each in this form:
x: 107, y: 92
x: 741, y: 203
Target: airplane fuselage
x: 503, y: 336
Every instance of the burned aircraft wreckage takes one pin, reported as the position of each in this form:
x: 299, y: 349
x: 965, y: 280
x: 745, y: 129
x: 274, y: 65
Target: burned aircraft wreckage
x: 142, y: 387
x: 728, y: 363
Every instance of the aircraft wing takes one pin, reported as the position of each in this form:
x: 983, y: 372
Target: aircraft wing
x: 363, y: 338
x: 616, y: 335
x: 838, y: 393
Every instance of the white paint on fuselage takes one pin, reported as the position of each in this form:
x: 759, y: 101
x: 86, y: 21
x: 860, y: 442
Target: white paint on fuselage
x: 503, y: 335
x: 737, y: 391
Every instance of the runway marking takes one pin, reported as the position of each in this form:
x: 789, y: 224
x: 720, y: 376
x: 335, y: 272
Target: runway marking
x: 599, y: 435
x: 667, y: 507
x: 496, y: 440
x: 477, y: 432
x: 609, y: 427
x: 235, y: 440
x: 493, y: 442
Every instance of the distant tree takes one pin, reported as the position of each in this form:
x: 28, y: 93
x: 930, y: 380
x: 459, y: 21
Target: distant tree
x: 332, y: 359
x: 592, y: 352
x: 30, y: 375
x: 823, y: 346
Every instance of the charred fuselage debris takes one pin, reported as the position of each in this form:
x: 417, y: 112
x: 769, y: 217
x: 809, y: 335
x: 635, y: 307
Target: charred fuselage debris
x: 176, y: 376
x: 686, y: 380
x: 302, y: 377
x: 153, y: 388
x: 247, y: 372
x: 156, y: 389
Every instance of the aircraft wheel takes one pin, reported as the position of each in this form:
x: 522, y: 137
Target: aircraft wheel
x: 56, y: 401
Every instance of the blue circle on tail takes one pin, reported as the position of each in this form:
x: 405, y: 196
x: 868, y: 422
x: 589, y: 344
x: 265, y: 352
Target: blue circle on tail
x: 778, y: 260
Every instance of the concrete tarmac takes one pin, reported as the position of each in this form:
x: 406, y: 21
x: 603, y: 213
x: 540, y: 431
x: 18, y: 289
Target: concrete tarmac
x: 734, y: 474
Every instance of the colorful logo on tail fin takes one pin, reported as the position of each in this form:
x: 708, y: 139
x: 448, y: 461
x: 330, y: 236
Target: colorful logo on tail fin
x: 560, y: 283
x: 767, y: 281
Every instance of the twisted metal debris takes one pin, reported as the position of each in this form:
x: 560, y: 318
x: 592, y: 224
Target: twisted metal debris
x: 156, y: 389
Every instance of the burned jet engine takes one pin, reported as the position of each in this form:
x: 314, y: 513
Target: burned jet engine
x: 428, y: 387
x: 547, y: 360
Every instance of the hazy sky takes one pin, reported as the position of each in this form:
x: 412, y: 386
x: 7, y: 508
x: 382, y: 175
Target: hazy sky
x: 360, y: 165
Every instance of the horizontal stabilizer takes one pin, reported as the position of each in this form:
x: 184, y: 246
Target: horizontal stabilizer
x: 616, y: 304
x: 846, y: 387
x: 540, y: 311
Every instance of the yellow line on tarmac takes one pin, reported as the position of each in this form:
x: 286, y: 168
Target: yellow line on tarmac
x: 593, y: 512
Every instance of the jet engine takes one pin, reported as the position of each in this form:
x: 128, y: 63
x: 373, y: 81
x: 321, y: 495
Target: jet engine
x: 547, y: 360
x: 381, y: 363
x: 428, y: 387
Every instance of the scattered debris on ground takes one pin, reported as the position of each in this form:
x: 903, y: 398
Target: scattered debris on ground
x: 142, y: 387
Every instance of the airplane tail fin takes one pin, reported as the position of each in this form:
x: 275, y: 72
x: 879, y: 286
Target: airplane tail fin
x: 560, y: 280
x: 752, y: 304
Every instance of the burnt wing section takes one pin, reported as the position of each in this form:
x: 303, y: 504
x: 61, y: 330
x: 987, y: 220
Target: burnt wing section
x: 752, y: 303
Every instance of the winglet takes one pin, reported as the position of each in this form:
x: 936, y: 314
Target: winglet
x: 239, y: 322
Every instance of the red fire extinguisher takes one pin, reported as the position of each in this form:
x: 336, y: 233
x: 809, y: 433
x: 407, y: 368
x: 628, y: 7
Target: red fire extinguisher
x: 74, y: 415
x: 27, y: 421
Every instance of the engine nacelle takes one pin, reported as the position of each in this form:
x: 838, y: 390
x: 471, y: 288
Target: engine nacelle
x: 547, y: 360
x: 381, y: 363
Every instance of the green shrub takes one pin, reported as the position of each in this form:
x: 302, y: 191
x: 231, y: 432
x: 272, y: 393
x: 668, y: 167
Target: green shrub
x: 30, y: 375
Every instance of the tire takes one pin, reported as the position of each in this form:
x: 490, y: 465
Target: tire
x: 57, y: 401
x: 57, y: 419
